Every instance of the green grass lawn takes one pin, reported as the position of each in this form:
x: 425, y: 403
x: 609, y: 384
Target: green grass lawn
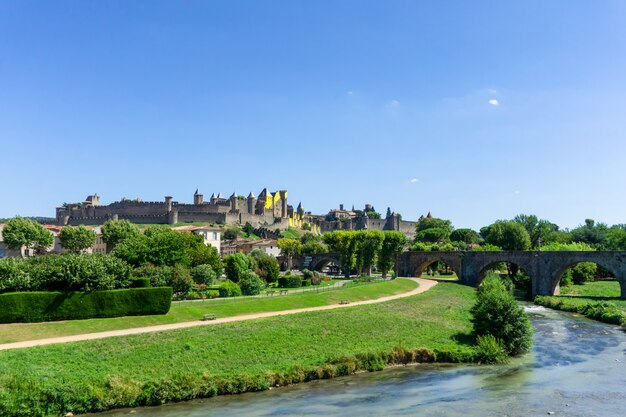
x: 592, y: 292
x: 236, y: 357
x: 190, y: 311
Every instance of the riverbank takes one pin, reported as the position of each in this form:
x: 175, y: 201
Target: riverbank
x: 595, y: 300
x: 155, y: 368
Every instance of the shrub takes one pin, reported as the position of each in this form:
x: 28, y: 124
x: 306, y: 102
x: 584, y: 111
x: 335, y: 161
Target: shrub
x: 306, y: 283
x: 306, y: 274
x: 290, y: 281
x: 229, y: 289
x: 250, y: 283
x: 212, y: 293
x: 159, y: 276
x: 490, y: 350
x: 316, y: 280
x: 181, y: 281
x: 204, y: 274
x: 497, y: 313
x: 363, y: 278
x: 26, y: 307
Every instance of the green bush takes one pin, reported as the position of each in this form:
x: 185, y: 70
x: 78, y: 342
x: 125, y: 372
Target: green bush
x: 66, y: 272
x: 250, y: 283
x: 306, y: 274
x: 27, y: 307
x: 290, y: 281
x: 602, y: 311
x: 497, y: 313
x: 229, y: 289
x: 140, y: 283
x: 212, y: 293
x: 490, y: 350
x: 306, y: 283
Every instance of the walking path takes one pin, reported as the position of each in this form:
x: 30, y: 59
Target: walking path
x: 424, y: 285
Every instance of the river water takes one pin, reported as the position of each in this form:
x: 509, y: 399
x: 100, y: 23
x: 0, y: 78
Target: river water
x: 577, y: 368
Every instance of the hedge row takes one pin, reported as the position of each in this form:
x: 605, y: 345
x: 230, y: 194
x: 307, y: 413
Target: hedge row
x: 27, y: 307
x: 290, y: 281
x: 601, y: 311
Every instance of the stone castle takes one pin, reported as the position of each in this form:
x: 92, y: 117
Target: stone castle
x: 269, y: 210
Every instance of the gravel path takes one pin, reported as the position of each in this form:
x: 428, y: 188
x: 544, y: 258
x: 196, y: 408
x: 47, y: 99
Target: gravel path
x: 424, y: 285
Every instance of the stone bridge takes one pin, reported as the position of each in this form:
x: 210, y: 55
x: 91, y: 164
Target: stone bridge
x: 545, y: 269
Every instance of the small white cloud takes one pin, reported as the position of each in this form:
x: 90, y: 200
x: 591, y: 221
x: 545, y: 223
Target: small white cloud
x: 494, y: 102
x: 492, y: 91
x: 413, y: 180
x: 516, y: 192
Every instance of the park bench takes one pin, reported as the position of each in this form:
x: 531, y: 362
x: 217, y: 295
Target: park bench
x: 206, y: 317
x: 344, y: 302
x: 270, y: 292
x: 283, y: 292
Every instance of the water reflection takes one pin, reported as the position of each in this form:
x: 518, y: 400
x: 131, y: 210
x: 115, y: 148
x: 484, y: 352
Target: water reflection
x: 576, y: 369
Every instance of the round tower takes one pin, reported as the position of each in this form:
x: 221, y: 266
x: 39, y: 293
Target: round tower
x: 251, y: 203
x: 198, y: 198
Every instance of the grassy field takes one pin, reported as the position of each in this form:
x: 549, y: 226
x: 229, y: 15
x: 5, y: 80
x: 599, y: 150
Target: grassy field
x: 150, y: 369
x: 190, y: 311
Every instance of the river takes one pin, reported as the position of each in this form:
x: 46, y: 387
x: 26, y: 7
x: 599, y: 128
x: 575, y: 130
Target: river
x: 576, y: 368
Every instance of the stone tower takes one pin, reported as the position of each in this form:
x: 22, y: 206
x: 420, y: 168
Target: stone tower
x: 251, y: 203
x: 198, y: 198
x: 283, y: 204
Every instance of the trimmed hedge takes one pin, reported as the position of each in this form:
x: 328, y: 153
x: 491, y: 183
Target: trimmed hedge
x: 290, y: 281
x: 140, y: 283
x: 28, y: 307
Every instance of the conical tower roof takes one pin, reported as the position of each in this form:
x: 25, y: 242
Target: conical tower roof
x: 251, y: 195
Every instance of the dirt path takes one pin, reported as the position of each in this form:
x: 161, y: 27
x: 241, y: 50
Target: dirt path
x: 424, y: 285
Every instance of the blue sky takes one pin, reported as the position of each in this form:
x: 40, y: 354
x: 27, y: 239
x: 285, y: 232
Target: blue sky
x: 476, y: 111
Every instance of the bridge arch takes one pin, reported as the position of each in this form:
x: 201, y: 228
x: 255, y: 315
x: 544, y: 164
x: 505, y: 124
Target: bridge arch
x: 319, y: 263
x: 428, y: 261
x: 483, y: 272
x: 569, y: 259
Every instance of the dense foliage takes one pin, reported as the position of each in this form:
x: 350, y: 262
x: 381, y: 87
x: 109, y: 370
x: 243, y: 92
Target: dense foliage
x: 66, y: 272
x: 26, y: 307
x: 116, y: 231
x: 20, y: 231
x: 77, y: 239
x: 497, y: 313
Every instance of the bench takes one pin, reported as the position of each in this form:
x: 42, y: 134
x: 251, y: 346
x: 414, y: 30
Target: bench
x: 283, y: 292
x: 206, y: 317
x: 344, y: 302
x: 270, y: 292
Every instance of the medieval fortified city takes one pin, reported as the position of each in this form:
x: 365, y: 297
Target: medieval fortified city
x: 443, y: 233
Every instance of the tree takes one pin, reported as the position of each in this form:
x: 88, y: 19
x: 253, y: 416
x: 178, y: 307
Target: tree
x: 235, y: 265
x: 77, y: 239
x: 201, y: 254
x: 313, y: 246
x: 508, y: 235
x: 592, y: 233
x: 344, y: 242
x: 393, y: 244
x: 433, y: 230
x: 248, y: 229
x: 289, y: 248
x: 537, y: 229
x: 21, y: 232
x: 467, y: 236
x: 368, y: 246
x: 250, y: 283
x: 497, y: 313
x: 204, y: 274
x: 268, y: 268
x: 116, y: 231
